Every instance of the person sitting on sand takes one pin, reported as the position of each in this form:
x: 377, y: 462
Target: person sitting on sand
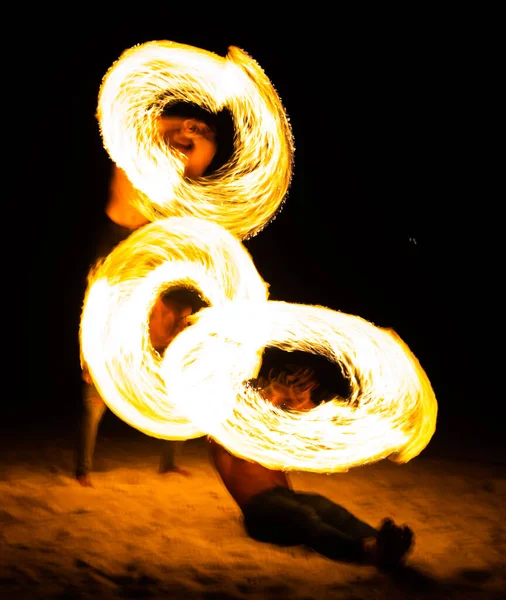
x: 275, y: 513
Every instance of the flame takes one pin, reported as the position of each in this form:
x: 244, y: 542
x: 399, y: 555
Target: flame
x: 200, y: 386
x: 391, y: 411
x: 248, y: 191
x: 203, y: 382
x: 121, y: 292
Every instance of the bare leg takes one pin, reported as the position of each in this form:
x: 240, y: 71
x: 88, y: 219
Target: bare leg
x: 93, y: 411
x: 171, y: 450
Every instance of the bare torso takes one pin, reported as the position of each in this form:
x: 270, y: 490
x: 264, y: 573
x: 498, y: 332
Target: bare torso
x: 244, y: 479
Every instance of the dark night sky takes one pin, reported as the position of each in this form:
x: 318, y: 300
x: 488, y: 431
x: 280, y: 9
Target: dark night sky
x: 387, y: 217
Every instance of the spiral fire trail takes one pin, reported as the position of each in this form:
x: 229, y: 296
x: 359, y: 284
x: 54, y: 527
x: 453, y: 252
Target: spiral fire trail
x: 114, y: 331
x: 246, y: 192
x: 199, y: 386
x: 391, y: 410
x: 202, y: 383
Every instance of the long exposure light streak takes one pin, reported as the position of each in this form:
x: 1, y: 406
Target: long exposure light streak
x: 246, y: 192
x: 391, y: 410
x: 203, y: 383
x: 114, y: 332
x: 200, y: 385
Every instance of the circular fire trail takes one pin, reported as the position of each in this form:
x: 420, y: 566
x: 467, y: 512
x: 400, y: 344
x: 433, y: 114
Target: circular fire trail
x: 245, y: 193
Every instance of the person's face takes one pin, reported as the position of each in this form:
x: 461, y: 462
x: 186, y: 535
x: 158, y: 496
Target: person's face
x: 180, y: 315
x: 168, y: 318
x: 193, y: 138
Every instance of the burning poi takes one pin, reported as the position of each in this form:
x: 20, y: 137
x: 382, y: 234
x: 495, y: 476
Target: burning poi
x: 200, y: 386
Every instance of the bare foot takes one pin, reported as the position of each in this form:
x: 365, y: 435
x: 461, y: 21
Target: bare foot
x: 176, y: 470
x: 84, y: 480
x: 391, y: 546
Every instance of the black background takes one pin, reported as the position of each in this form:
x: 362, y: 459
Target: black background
x: 390, y: 215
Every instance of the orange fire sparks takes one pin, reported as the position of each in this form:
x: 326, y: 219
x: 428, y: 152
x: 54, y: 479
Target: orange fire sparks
x: 202, y: 383
x: 248, y: 191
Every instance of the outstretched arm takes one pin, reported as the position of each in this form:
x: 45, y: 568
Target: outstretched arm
x: 121, y: 204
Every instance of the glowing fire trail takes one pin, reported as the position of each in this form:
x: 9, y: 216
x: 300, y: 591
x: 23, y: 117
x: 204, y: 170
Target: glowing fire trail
x: 198, y: 387
x: 391, y: 411
x: 114, y: 332
x: 248, y: 191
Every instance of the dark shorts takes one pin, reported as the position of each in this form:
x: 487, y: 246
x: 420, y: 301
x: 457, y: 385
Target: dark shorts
x: 288, y: 518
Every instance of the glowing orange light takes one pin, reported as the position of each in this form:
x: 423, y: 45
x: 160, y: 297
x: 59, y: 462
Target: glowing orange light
x: 200, y: 386
x: 391, y: 411
x: 242, y: 196
x: 114, y: 332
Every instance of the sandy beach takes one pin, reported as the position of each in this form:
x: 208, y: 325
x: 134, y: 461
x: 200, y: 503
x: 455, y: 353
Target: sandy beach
x: 139, y: 534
